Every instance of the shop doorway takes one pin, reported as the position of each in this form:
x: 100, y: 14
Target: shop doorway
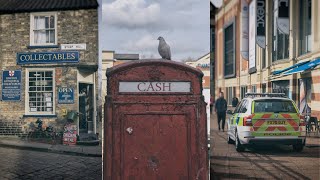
x: 86, y: 108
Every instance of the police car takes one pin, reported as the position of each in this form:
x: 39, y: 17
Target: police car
x: 266, y: 118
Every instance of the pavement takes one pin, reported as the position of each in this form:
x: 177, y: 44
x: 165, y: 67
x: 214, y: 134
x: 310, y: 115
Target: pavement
x: 264, y: 162
x: 80, y: 150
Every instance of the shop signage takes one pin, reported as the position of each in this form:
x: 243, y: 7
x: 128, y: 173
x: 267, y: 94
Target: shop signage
x: 11, y: 85
x: 261, y: 22
x: 73, y: 47
x: 244, y: 30
x: 203, y: 65
x: 152, y: 87
x: 252, y: 36
x: 48, y: 57
x: 65, y: 95
x: 70, y: 134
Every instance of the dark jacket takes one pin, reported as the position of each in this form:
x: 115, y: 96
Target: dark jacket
x: 221, y: 105
x: 235, y: 102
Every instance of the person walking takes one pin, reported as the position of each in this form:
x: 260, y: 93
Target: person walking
x: 221, y: 108
x: 211, y: 104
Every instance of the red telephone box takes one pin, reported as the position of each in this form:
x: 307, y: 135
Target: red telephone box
x: 155, y: 124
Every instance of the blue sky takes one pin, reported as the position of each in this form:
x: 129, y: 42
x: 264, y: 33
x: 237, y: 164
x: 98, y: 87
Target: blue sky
x: 133, y: 26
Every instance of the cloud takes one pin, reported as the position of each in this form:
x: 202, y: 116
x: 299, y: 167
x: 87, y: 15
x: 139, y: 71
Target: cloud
x: 147, y: 43
x: 131, y: 14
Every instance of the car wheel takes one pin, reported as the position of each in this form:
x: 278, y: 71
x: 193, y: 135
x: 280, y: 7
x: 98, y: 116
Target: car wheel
x: 239, y: 146
x: 297, y: 147
x: 230, y: 141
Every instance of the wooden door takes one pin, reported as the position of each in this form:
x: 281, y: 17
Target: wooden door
x: 155, y: 146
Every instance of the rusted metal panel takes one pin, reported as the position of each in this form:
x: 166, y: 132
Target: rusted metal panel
x: 155, y: 134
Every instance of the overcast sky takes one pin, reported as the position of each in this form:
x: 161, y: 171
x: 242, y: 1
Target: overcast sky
x: 133, y: 26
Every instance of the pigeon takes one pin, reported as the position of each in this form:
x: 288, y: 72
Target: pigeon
x: 164, y: 49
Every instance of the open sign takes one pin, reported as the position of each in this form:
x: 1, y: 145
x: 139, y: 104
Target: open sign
x: 65, y: 95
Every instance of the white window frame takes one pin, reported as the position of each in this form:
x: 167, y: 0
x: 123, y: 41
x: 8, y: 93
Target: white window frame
x: 32, y: 15
x: 27, y: 108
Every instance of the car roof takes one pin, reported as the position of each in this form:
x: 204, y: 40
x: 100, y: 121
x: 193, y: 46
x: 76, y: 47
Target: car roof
x: 262, y: 98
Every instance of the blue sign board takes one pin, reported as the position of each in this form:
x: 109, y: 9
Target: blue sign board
x: 65, y: 95
x: 11, y: 85
x: 48, y: 57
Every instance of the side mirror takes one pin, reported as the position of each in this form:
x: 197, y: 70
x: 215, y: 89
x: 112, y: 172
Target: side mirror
x: 229, y: 112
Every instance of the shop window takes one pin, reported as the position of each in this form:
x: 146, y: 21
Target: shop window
x: 264, y: 88
x: 230, y: 95
x: 280, y: 45
x: 43, y: 29
x: 40, y: 88
x: 305, y: 27
x: 281, y: 87
x: 254, y: 88
x: 243, y: 91
x: 229, y: 51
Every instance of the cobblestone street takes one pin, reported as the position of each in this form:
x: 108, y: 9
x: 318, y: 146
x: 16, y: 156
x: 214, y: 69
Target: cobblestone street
x: 279, y: 162
x: 25, y: 164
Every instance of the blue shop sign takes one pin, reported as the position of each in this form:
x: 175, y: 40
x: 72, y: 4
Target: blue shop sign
x: 11, y: 85
x: 48, y: 57
x: 65, y: 95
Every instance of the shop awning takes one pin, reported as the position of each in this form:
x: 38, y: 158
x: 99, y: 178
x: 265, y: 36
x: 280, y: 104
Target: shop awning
x: 304, y: 67
x: 288, y: 68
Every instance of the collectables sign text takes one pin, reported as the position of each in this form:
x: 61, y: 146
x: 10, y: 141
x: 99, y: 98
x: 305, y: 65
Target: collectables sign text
x: 154, y: 87
x: 11, y: 85
x: 48, y: 57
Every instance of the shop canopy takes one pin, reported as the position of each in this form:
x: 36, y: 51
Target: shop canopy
x: 288, y: 68
x: 304, y: 67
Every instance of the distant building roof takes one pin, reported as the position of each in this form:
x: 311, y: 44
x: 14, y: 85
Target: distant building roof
x: 126, y: 56
x: 20, y: 6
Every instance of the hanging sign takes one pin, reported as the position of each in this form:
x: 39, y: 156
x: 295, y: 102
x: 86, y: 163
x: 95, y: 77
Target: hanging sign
x: 261, y: 23
x: 252, y: 36
x: 48, y: 57
x: 11, y: 85
x: 244, y: 30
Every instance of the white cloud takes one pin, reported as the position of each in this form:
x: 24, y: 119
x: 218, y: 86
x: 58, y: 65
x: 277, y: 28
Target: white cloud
x: 131, y: 13
x: 147, y: 43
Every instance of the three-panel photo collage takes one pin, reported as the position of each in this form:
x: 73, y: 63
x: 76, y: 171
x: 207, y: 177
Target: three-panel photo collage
x: 159, y: 89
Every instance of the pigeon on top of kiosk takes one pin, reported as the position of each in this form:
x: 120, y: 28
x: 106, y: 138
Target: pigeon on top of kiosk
x: 164, y: 49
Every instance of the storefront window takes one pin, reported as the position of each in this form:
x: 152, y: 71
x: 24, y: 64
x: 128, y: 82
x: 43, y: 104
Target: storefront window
x: 254, y: 88
x: 230, y: 95
x: 43, y: 29
x: 243, y: 91
x: 264, y: 88
x: 40, y: 92
x: 281, y: 87
x: 305, y: 27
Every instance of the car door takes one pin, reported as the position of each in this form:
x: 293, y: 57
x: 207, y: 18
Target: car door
x: 233, y: 119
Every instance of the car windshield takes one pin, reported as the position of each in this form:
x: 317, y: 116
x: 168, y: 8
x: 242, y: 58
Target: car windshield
x: 274, y: 105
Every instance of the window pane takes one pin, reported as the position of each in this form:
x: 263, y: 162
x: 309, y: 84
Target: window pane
x: 52, y: 36
x: 305, y: 26
x: 229, y: 51
x: 51, y: 21
x: 47, y: 22
x: 44, y: 32
x: 41, y: 91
